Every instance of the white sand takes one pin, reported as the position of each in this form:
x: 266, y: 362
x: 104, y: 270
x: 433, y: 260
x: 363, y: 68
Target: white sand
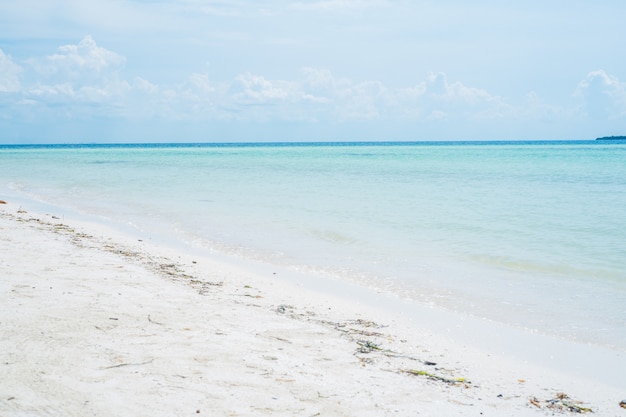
x: 95, y: 324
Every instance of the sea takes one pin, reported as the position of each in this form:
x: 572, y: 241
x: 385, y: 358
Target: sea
x: 528, y: 234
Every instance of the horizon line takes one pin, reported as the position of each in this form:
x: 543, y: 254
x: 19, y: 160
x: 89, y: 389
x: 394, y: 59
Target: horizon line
x: 292, y: 143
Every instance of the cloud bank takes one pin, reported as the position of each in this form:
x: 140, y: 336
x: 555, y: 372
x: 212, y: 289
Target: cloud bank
x: 86, y: 84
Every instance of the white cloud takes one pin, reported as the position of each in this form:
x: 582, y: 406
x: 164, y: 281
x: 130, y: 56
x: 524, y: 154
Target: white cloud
x: 361, y: 101
x: 604, y: 95
x: 145, y: 85
x: 437, y: 99
x: 201, y: 83
x: 431, y: 99
x: 71, y: 96
x: 255, y: 89
x: 437, y: 87
x: 78, y: 82
x: 318, y: 78
x: 113, y: 91
x: 84, y: 59
x: 249, y: 87
x: 9, y: 74
x: 343, y: 98
x: 251, y: 97
x: 79, y: 74
x: 323, y: 96
x: 51, y: 93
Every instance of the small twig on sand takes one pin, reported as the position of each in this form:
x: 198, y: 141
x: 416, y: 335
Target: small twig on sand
x: 128, y: 364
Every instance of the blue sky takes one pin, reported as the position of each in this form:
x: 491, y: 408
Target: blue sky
x: 238, y: 70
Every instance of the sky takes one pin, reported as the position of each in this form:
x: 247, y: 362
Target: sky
x: 85, y: 71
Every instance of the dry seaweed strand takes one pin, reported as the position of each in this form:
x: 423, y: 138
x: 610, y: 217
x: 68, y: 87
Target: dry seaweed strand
x: 435, y: 377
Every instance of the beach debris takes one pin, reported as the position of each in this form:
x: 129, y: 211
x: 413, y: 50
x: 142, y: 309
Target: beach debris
x: 169, y: 269
x: 358, y: 326
x: 283, y: 308
x: 154, y: 321
x: 248, y: 287
x: 561, y: 402
x: 622, y: 404
x: 367, y: 346
x: 2, y: 202
x: 128, y: 364
x: 279, y: 338
x: 203, y: 287
x: 435, y: 377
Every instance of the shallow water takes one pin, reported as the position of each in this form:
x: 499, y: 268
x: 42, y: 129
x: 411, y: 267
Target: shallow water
x: 527, y: 233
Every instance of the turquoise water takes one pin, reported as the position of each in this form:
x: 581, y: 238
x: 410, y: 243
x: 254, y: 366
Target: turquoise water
x: 532, y: 234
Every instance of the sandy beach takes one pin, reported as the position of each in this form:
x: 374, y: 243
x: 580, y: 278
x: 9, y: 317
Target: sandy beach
x: 95, y: 323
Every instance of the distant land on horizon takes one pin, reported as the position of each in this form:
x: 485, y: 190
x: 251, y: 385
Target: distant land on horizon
x: 612, y: 138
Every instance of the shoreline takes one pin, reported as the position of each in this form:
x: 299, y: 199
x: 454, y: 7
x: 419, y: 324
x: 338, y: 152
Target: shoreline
x: 188, y: 334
